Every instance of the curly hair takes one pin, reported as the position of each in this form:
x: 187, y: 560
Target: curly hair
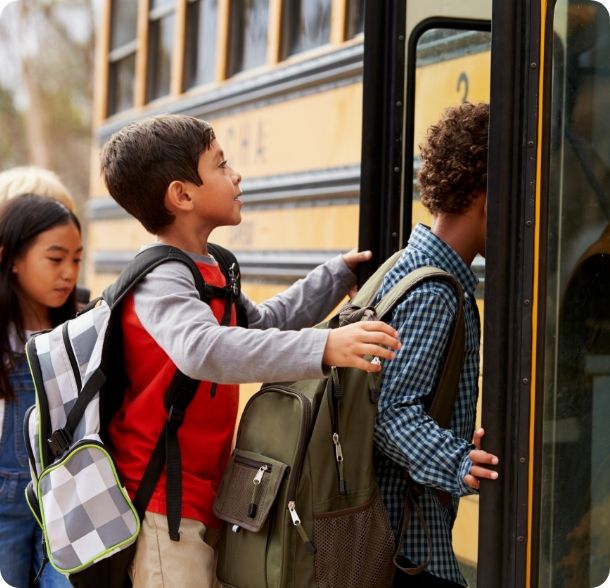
x: 454, y: 159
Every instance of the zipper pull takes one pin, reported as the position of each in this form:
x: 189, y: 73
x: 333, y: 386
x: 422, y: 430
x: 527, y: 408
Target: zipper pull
x: 233, y: 279
x: 253, y: 506
x: 339, y: 458
x: 296, y: 521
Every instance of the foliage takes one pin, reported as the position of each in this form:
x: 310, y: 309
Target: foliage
x: 46, y: 100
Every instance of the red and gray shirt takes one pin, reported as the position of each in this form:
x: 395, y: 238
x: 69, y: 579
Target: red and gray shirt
x: 166, y: 325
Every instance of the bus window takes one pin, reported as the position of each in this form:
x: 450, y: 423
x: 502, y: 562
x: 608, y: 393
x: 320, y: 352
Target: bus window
x: 575, y: 482
x: 249, y: 23
x: 306, y: 24
x: 200, y: 49
x: 161, y: 36
x: 355, y: 18
x: 122, y: 57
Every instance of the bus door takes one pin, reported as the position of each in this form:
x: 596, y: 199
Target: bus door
x: 420, y: 58
x: 547, y: 325
x: 546, y: 358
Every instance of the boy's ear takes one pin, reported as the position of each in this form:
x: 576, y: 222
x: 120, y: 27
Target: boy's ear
x: 177, y: 197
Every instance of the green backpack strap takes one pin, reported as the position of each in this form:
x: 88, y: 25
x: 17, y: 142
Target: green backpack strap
x: 368, y: 291
x: 441, y: 401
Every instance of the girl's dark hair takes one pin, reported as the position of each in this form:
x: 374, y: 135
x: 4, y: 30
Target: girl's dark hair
x: 22, y: 219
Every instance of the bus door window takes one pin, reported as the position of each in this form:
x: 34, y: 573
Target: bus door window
x: 200, y: 47
x: 122, y: 56
x: 575, y: 478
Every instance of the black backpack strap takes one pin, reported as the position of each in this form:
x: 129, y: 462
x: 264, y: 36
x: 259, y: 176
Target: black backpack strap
x: 229, y: 266
x: 178, y: 396
x: 140, y: 266
x: 179, y: 393
x: 143, y: 263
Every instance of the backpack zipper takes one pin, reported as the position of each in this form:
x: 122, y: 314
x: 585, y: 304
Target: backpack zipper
x: 233, y: 277
x: 252, y: 463
x: 333, y: 408
x: 71, y: 356
x: 304, y: 435
x: 28, y: 441
x: 261, y: 468
x: 256, y: 490
x: 43, y: 404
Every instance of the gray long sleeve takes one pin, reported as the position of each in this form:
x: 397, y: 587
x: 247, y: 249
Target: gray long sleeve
x: 169, y: 308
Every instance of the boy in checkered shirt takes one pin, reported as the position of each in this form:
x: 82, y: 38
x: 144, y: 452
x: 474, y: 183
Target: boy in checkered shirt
x: 452, y: 180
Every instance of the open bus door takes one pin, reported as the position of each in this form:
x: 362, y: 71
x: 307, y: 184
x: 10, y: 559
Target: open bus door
x: 546, y: 364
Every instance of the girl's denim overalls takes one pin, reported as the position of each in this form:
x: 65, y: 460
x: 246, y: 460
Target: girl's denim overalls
x: 20, y: 535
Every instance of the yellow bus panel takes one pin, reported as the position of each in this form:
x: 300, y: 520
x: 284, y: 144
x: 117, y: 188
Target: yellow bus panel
x: 289, y: 229
x: 313, y: 132
x: 448, y: 83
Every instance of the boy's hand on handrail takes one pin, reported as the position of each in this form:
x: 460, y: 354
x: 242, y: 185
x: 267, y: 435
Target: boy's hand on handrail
x: 481, y: 460
x: 347, y: 345
x: 354, y: 257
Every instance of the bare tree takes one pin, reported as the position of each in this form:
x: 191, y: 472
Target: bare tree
x: 47, y: 54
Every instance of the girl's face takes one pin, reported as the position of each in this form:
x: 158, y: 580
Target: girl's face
x: 46, y: 273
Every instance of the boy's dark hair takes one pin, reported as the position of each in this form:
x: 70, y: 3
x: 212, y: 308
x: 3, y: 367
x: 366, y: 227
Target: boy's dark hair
x: 454, y: 159
x: 141, y: 160
x: 22, y: 219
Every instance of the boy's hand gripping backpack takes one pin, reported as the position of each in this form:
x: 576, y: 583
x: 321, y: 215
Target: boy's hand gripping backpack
x: 300, y: 495
x: 89, y: 523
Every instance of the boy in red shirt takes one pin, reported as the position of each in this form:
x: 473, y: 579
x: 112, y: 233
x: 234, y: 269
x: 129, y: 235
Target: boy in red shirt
x: 171, y: 174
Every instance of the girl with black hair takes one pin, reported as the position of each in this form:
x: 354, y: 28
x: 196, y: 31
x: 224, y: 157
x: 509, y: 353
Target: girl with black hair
x: 40, y: 253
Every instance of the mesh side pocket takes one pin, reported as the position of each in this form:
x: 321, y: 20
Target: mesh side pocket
x: 355, y: 547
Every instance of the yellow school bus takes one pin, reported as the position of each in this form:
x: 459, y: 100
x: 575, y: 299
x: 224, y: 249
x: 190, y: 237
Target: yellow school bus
x: 321, y: 105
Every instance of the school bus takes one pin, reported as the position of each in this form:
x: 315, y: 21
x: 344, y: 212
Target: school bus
x: 321, y: 105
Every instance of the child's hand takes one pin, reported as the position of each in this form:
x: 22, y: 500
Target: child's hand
x: 347, y: 345
x: 480, y: 459
x: 354, y: 257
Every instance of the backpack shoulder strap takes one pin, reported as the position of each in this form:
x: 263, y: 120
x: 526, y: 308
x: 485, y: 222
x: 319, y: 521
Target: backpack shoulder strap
x: 441, y: 401
x: 178, y: 395
x: 368, y: 291
x: 443, y: 398
x: 229, y: 266
x: 142, y: 264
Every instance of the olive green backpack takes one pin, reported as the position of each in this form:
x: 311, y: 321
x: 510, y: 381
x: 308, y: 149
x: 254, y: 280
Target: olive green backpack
x: 299, y: 498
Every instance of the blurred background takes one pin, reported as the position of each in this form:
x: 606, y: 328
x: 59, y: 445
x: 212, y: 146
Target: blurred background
x: 46, y: 87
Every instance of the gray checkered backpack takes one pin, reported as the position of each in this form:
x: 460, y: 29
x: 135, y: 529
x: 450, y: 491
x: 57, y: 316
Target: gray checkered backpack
x: 89, y: 523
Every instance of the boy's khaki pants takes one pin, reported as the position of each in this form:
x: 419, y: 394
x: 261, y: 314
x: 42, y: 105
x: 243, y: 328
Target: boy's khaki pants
x: 162, y: 563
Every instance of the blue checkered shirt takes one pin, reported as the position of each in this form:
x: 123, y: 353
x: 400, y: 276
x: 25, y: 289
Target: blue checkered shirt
x: 405, y: 436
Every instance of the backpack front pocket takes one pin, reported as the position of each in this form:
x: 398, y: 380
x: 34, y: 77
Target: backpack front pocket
x: 248, y: 489
x: 86, y: 512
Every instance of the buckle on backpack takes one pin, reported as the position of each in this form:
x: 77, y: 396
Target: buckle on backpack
x: 175, y: 417
x: 59, y: 441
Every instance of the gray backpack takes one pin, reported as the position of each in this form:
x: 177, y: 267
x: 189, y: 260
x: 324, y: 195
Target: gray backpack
x: 300, y: 498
